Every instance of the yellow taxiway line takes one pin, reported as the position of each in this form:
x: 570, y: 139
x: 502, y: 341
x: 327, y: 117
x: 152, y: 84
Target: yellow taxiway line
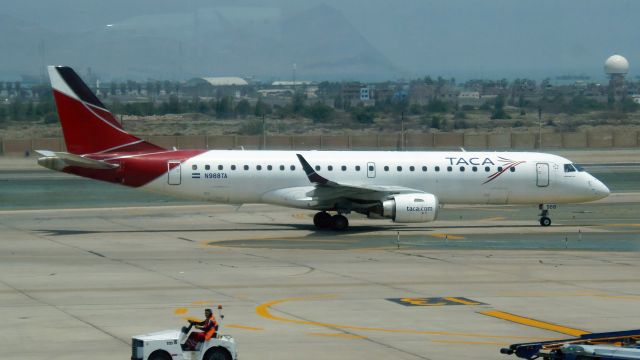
x: 448, y: 236
x: 534, y: 323
x: 263, y: 310
x: 469, y: 342
x: 340, y: 335
x: 244, y: 327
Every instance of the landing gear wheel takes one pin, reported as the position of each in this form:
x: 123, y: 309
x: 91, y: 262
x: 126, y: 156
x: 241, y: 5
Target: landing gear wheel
x: 217, y: 354
x: 160, y: 355
x: 339, y: 223
x: 322, y: 220
x: 545, y: 220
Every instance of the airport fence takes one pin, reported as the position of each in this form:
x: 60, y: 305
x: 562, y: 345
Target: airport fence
x: 410, y: 141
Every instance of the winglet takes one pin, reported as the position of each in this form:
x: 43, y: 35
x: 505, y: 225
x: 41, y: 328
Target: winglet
x: 312, y: 174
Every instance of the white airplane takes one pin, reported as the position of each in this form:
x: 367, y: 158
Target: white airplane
x: 406, y: 187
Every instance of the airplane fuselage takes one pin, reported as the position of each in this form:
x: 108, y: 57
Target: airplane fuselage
x: 453, y: 177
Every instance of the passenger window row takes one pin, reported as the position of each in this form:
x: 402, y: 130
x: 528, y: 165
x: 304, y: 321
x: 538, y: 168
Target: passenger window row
x: 245, y: 167
x: 358, y: 168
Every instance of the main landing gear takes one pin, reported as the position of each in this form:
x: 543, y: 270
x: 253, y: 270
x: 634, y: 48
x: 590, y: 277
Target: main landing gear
x: 544, y: 213
x: 324, y: 220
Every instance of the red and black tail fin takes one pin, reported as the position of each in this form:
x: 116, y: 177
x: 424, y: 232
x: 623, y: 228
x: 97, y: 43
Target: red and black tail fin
x: 87, y: 125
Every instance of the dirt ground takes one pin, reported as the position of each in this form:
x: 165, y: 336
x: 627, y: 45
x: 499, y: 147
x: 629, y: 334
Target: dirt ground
x: 476, y: 121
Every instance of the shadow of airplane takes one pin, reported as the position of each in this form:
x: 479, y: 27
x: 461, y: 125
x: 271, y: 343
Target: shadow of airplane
x: 297, y: 227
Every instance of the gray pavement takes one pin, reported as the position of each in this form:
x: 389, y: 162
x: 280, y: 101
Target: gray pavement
x: 84, y: 266
x: 78, y: 283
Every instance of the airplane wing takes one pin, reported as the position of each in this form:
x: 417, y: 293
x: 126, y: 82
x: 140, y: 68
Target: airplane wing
x: 326, y: 189
x: 325, y: 194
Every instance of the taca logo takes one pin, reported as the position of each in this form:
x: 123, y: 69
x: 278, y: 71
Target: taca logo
x: 506, y: 165
x: 469, y: 161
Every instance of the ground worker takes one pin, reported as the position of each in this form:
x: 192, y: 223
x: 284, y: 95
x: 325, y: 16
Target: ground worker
x: 208, y: 327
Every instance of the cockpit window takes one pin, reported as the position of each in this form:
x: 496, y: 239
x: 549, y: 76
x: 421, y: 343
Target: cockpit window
x: 578, y: 167
x: 569, y: 168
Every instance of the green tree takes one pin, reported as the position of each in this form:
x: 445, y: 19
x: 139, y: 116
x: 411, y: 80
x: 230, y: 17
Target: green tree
x: 262, y: 108
x: 460, y: 115
x: 51, y: 118
x: 498, y: 109
x: 17, y: 86
x: 460, y: 124
x: 252, y: 127
x: 172, y: 106
x: 437, y: 106
x: 16, y: 109
x: 363, y: 115
x: 400, y: 106
x: 415, y: 109
x: 338, y: 103
x: 224, y: 108
x: 243, y: 108
x: 319, y: 112
x: 167, y: 87
x: 436, y: 122
x: 580, y: 104
x: 297, y: 103
x: 29, y: 110
x: 200, y: 107
x: 628, y: 105
x: 148, y: 86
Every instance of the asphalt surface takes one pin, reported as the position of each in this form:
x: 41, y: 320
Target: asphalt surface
x: 84, y: 266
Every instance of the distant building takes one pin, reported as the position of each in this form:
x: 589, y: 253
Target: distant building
x: 470, y: 98
x: 364, y: 94
x: 421, y: 93
x: 616, y: 67
x: 214, y: 86
x: 350, y: 91
x: 292, y: 83
x: 276, y: 92
x: 226, y: 81
x: 382, y: 92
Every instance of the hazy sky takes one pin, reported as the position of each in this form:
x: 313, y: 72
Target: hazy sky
x: 461, y: 38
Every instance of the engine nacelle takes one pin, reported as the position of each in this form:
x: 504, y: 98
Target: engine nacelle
x: 410, y: 208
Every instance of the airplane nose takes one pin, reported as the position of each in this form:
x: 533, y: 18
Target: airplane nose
x: 599, y: 189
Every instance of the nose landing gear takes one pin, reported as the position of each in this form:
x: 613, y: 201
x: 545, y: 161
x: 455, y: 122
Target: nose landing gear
x: 544, y: 213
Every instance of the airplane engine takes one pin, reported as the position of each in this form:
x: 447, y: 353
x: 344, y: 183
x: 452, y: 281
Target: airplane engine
x: 409, y: 208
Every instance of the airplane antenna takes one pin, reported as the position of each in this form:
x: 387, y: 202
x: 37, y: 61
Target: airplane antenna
x: 462, y: 149
x: 241, y: 147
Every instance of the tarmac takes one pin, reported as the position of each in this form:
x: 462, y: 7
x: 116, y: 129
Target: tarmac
x: 79, y: 278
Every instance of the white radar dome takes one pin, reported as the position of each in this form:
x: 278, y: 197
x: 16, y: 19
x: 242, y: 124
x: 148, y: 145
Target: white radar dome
x: 616, y: 64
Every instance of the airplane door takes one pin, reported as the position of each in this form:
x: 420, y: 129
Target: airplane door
x: 542, y: 171
x: 174, y: 172
x: 371, y: 170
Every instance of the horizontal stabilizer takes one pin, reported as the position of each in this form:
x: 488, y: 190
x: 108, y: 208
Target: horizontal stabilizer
x: 59, y: 160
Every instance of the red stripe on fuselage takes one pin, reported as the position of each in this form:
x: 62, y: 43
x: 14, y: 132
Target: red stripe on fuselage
x: 135, y: 169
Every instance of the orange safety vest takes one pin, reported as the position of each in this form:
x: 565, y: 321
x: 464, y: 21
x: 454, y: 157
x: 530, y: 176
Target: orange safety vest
x: 211, y: 324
